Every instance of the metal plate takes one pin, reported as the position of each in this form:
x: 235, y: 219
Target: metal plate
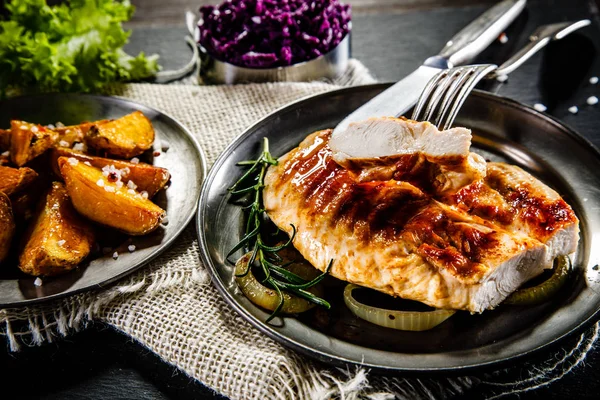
x: 503, y: 130
x: 184, y: 159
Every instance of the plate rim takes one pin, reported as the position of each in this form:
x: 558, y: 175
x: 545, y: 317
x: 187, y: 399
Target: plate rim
x: 163, y: 247
x: 336, y: 360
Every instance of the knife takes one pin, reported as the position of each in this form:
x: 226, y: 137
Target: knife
x: 461, y: 49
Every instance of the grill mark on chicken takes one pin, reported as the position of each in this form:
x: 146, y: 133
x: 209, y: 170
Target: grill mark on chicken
x: 516, y: 201
x: 545, y: 217
x: 479, y: 199
x: 439, y: 229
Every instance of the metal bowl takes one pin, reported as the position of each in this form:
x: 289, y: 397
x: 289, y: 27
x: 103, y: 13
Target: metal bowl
x: 327, y: 66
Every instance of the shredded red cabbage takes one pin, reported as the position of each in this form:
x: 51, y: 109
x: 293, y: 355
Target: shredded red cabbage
x: 271, y: 33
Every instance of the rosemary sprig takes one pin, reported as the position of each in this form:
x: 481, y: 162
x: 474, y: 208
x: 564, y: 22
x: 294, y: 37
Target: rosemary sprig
x: 275, y: 275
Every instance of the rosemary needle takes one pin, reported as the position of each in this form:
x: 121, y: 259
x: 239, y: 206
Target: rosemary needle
x: 264, y: 256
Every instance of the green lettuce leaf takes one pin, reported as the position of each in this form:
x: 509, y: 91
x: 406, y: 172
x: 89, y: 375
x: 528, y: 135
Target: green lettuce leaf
x: 76, y: 46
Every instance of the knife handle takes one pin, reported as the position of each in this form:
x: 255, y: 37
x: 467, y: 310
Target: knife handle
x: 480, y: 33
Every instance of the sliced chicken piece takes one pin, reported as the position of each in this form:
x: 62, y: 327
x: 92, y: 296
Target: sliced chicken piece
x: 402, y: 149
x: 518, y: 202
x: 386, y: 136
x: 393, y: 237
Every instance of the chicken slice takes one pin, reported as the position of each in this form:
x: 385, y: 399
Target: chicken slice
x: 402, y: 149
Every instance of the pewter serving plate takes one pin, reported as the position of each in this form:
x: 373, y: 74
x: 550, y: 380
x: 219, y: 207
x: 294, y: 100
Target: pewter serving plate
x: 184, y: 160
x: 503, y: 131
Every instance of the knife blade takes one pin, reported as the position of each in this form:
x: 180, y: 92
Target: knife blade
x: 461, y: 49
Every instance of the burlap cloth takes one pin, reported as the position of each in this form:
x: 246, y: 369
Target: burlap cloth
x: 171, y: 307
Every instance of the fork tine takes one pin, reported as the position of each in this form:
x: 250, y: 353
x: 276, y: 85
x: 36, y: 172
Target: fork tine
x: 469, y: 84
x: 462, y: 75
x: 439, y: 93
x: 425, y: 95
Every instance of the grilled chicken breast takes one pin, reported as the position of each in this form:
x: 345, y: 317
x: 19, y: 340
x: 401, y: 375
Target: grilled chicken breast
x: 403, y: 237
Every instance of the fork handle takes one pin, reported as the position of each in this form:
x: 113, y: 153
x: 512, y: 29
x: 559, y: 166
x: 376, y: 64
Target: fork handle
x: 480, y: 33
x: 539, y: 39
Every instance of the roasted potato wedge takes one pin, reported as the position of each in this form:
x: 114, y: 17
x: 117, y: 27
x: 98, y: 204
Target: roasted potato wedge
x: 68, y: 135
x: 58, y: 239
x: 144, y: 177
x: 7, y: 226
x: 4, y: 140
x: 125, y: 137
x: 27, y: 141
x: 107, y: 202
x: 13, y: 180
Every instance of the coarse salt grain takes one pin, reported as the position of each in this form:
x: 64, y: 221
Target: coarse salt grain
x: 119, y: 184
x: 63, y: 143
x: 34, y: 129
x: 115, y: 255
x: 131, y: 185
x: 38, y: 281
x: 164, y: 220
x: 24, y: 127
x: 61, y: 242
x: 502, y: 78
x: 6, y: 153
x: 594, y: 80
x: 503, y: 38
x: 573, y: 110
x: 79, y: 147
x: 131, y: 248
x: 109, y: 189
x: 135, y: 160
x: 111, y: 172
x: 50, y: 126
x: 592, y: 100
x: 73, y: 161
x: 164, y: 145
x: 131, y: 191
x: 60, y: 125
x: 539, y: 107
x: 87, y: 163
x: 100, y: 182
x: 144, y: 194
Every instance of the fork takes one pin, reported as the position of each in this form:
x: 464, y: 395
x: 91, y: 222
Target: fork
x: 446, y: 92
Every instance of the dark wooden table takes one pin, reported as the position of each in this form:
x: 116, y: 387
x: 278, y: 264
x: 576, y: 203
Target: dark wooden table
x: 391, y: 37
